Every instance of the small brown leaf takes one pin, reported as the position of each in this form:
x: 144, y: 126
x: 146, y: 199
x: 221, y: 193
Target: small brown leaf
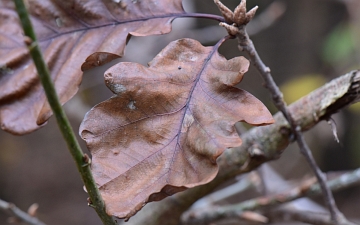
x: 98, y: 59
x: 68, y: 32
x: 166, y: 125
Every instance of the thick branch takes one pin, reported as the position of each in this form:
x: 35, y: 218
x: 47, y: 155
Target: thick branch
x: 260, y: 144
x: 230, y: 211
x: 81, y: 160
x: 14, y: 211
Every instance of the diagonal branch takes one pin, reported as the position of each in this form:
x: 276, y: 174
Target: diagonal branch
x: 82, y: 160
x: 245, y: 44
x: 314, y: 218
x: 19, y: 214
x: 260, y: 144
x: 237, y: 28
x: 306, y: 189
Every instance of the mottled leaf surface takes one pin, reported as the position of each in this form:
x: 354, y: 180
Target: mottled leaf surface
x: 68, y: 32
x: 166, y: 125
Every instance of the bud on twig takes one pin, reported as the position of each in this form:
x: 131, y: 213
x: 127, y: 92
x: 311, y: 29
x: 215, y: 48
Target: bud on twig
x: 237, y: 18
x: 240, y: 13
x: 225, y: 11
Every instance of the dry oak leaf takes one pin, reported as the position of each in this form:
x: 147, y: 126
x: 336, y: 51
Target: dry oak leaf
x: 166, y: 125
x: 68, y: 32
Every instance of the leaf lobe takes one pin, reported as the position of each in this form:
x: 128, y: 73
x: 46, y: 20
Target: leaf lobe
x: 154, y: 157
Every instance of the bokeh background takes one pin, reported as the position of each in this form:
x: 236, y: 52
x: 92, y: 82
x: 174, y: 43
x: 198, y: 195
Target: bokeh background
x: 309, y: 43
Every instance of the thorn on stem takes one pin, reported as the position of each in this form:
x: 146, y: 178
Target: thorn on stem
x: 90, y: 203
x: 332, y: 123
x: 30, y: 43
x: 27, y: 40
x: 87, y: 160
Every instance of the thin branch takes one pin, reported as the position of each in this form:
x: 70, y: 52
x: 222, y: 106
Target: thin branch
x: 285, y: 214
x: 245, y: 44
x: 260, y: 144
x: 211, y: 214
x: 247, y: 182
x: 82, y: 161
x: 14, y: 211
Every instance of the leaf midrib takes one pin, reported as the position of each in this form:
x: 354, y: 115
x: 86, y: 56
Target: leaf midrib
x: 116, y: 23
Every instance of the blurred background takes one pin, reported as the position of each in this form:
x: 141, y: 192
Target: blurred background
x: 305, y: 43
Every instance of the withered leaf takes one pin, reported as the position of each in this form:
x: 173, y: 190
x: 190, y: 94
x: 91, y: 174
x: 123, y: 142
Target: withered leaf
x: 68, y: 32
x: 166, y: 125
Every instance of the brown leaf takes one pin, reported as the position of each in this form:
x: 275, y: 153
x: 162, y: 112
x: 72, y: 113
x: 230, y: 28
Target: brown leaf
x: 166, y: 125
x: 68, y: 32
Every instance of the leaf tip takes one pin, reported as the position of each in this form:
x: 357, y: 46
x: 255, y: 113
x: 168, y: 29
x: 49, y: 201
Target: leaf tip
x: 98, y: 59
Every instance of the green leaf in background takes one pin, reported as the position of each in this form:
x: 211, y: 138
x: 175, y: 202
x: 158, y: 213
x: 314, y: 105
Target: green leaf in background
x: 338, y: 45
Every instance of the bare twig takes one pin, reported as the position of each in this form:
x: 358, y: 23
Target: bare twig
x: 269, y: 140
x: 247, y: 182
x: 302, y: 216
x: 22, y: 216
x: 80, y: 158
x: 245, y: 44
x: 332, y: 123
x: 306, y: 189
